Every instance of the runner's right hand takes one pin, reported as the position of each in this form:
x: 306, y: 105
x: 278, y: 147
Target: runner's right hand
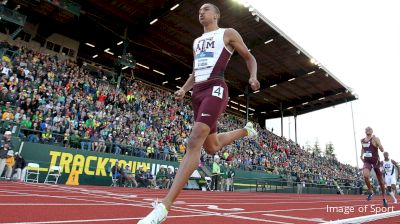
x: 179, y: 94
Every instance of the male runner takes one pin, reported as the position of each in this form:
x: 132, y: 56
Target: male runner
x: 390, y: 175
x: 370, y: 157
x: 212, y: 52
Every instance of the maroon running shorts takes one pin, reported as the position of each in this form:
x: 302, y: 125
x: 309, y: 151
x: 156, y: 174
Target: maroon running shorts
x: 209, y: 100
x: 370, y: 163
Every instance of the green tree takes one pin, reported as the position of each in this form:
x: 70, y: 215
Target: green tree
x: 329, y: 151
x: 308, y: 147
x: 316, y: 148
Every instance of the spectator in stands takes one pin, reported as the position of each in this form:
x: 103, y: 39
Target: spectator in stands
x: 300, y: 183
x: 20, y: 167
x: 171, y: 175
x: 116, y: 172
x: 10, y: 162
x: 229, y: 181
x: 128, y: 177
x: 140, y: 177
x: 151, y: 182
x: 216, y: 172
x: 5, y: 146
x: 162, y: 177
x: 8, y: 115
x: 74, y: 139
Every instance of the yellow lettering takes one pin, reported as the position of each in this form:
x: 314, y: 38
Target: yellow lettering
x: 65, y: 161
x: 145, y: 165
x: 101, y: 164
x: 54, y: 155
x: 79, y: 162
x: 134, y: 166
x: 122, y: 163
x: 87, y: 165
x: 130, y: 165
x: 112, y: 161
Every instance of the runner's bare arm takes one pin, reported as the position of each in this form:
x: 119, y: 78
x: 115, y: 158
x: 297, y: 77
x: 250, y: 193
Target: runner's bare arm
x: 378, y: 143
x: 189, y: 82
x: 180, y: 93
x: 236, y: 41
x: 398, y: 168
x: 362, y: 152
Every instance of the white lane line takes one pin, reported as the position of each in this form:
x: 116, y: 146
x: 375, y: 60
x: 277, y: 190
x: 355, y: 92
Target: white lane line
x: 233, y: 215
x: 297, y: 218
x: 202, y: 212
x: 100, y: 220
x: 289, y: 210
x: 57, y: 204
x: 367, y: 218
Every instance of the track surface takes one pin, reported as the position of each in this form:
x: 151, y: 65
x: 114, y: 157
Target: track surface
x: 40, y: 203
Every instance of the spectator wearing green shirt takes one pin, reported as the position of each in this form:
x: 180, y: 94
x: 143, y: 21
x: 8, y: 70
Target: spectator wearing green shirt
x: 26, y: 123
x: 74, y: 139
x: 216, y: 172
x: 224, y: 175
x: 162, y: 177
x: 230, y: 173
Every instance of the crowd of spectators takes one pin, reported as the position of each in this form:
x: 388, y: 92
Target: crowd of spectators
x: 123, y: 176
x: 56, y: 101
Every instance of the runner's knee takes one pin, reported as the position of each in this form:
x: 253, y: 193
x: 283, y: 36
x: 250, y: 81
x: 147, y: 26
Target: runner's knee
x: 197, y: 136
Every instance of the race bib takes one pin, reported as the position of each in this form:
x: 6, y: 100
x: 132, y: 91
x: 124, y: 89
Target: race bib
x: 367, y: 154
x: 218, y: 91
x: 366, y: 145
x: 204, y: 60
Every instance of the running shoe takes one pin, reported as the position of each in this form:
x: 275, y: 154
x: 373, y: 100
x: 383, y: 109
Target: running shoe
x: 158, y: 215
x: 251, y: 132
x: 385, y: 203
x: 370, y: 196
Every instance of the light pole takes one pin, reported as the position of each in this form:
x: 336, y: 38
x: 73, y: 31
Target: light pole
x: 354, y: 133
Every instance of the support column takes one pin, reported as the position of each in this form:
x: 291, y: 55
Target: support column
x: 295, y: 128
x: 247, y: 103
x: 281, y: 119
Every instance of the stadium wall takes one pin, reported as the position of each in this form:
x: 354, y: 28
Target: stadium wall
x: 94, y: 167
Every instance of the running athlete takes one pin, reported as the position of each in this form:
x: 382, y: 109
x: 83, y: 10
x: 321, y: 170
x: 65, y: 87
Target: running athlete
x: 212, y: 52
x: 370, y: 157
x: 390, y: 175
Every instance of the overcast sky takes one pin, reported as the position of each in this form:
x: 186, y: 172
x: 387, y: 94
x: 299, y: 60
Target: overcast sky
x: 359, y: 42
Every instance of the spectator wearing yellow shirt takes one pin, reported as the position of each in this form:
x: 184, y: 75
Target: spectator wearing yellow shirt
x: 8, y: 115
x: 10, y: 161
x: 182, y: 148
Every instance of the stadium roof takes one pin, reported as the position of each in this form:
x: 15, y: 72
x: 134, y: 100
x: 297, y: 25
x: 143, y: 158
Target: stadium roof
x: 162, y: 49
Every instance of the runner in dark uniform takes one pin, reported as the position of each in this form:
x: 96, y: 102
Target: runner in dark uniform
x: 370, y: 157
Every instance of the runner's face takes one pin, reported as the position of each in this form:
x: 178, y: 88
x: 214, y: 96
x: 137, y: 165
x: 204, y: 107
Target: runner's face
x: 207, y: 14
x: 386, y: 155
x: 368, y: 131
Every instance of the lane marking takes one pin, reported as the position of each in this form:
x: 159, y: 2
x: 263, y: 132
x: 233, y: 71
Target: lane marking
x: 367, y: 218
x: 100, y: 220
x: 215, y: 207
x: 296, y: 218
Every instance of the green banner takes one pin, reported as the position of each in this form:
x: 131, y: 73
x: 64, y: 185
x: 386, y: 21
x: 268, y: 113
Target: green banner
x: 94, y: 167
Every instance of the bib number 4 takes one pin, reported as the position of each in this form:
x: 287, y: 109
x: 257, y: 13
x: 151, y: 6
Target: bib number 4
x: 218, y: 91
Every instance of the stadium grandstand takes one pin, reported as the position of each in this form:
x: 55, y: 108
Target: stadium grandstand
x: 88, y: 86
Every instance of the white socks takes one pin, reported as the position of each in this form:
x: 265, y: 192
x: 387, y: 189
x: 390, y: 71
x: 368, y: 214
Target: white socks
x: 394, y: 198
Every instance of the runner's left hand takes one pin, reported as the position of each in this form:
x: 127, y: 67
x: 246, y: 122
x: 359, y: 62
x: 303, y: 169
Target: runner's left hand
x: 254, y: 83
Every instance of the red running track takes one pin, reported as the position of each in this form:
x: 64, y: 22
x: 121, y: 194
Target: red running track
x: 40, y: 203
